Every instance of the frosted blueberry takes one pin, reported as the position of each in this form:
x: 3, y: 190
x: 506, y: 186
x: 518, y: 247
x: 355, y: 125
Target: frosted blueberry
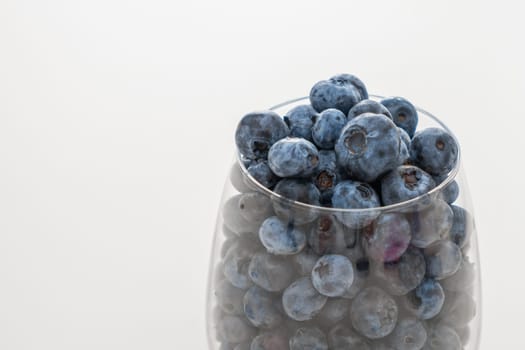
x: 443, y: 259
x: 462, y: 226
x: 271, y: 272
x: 342, y: 337
x: 441, y: 337
x: 262, y: 173
x: 229, y: 298
x: 333, y: 275
x: 300, y: 120
x: 389, y: 239
x: 430, y: 224
x: 451, y: 191
x: 327, y: 128
x: 404, y: 114
x: 298, y: 190
x: 409, y: 334
x: 355, y: 195
x: 462, y: 280
x: 325, y: 175
x: 237, y: 261
x: 293, y: 157
x: 341, y: 91
x: 326, y: 236
x: 404, y: 183
x: 308, y: 339
x: 368, y: 147
x: 374, y: 313
x: 301, y: 301
x: 434, y: 150
x: 255, y: 207
x: 260, y: 309
x: 368, y: 106
x: 426, y: 300
x: 280, y: 237
x: 257, y: 132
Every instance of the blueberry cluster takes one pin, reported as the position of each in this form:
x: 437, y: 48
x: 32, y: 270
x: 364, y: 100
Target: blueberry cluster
x: 303, y: 277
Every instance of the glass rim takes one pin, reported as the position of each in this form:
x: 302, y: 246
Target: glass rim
x: 401, y: 205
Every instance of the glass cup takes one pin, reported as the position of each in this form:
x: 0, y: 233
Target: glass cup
x: 287, y: 284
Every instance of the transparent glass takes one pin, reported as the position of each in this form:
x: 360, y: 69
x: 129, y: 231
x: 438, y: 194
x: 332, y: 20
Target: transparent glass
x: 430, y: 298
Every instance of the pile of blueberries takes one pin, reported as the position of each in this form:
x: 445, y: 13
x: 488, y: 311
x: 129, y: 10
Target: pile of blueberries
x: 350, y: 269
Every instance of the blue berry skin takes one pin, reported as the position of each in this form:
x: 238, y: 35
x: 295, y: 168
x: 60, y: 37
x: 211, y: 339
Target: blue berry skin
x: 368, y: 106
x: 280, y: 237
x: 431, y: 224
x: 298, y: 190
x: 257, y: 132
x: 260, y: 308
x: 443, y: 259
x: 326, y: 175
x: 327, y: 128
x: 409, y: 334
x: 374, y: 313
x: 389, y: 239
x: 368, y: 147
x: 333, y: 275
x: 403, y: 113
x: 293, y: 157
x: 427, y: 299
x: 262, y: 173
x: 355, y: 195
x: 300, y: 120
x: 326, y: 236
x: 404, y: 183
x: 462, y: 225
x: 308, y: 339
x: 451, y: 191
x: 341, y: 92
x: 434, y: 150
x: 301, y: 301
x: 271, y: 272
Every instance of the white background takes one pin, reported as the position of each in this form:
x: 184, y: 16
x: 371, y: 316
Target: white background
x: 116, y: 132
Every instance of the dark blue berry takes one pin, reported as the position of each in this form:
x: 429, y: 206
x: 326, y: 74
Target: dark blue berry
x: 297, y: 190
x: 403, y: 113
x: 451, y: 191
x: 368, y: 106
x: 462, y: 225
x: 257, y: 132
x: 300, y: 120
x: 434, y: 150
x: 404, y: 183
x: 341, y: 92
x: 326, y: 174
x: 262, y: 173
x: 327, y: 128
x: 427, y: 299
x: 354, y: 195
x: 293, y: 157
x: 368, y: 147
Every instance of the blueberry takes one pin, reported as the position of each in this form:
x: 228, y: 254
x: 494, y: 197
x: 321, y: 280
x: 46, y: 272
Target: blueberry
x: 441, y: 337
x: 434, y: 150
x: 280, y: 237
x: 298, y: 190
x: 355, y: 195
x: 327, y: 128
x: 409, y: 334
x: 293, y: 157
x: 301, y: 301
x: 405, y: 138
x: 237, y: 261
x: 260, y: 309
x: 229, y: 298
x: 389, y: 239
x: 451, y: 191
x: 458, y: 310
x: 262, y: 173
x: 443, y: 259
x: 342, y: 337
x: 325, y: 175
x: 403, y: 113
x: 300, y: 120
x: 374, y: 313
x: 462, y: 226
x: 232, y: 218
x: 431, y: 224
x: 368, y: 147
x: 368, y: 106
x: 334, y: 311
x: 255, y: 206
x: 274, y: 340
x: 234, y: 329
x: 341, y: 92
x: 308, y: 339
x: 257, y: 132
x: 326, y: 236
x: 404, y: 183
x: 271, y: 272
x: 238, y: 179
x: 426, y: 300
x: 333, y: 275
